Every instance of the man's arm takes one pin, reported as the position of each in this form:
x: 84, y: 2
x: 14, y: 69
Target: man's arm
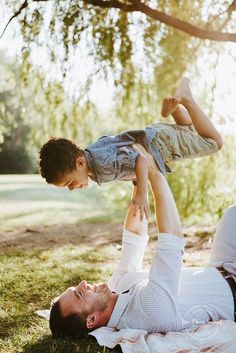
x: 139, y: 200
x: 133, y: 222
x: 134, y: 242
x: 167, y: 216
x: 144, y: 162
x: 160, y: 296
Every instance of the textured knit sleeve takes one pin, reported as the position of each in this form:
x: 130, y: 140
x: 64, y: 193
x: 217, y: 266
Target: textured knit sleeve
x: 132, y: 253
x: 167, y: 262
x: 163, y: 284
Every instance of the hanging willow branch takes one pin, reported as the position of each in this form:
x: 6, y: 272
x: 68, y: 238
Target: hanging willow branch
x: 139, y: 6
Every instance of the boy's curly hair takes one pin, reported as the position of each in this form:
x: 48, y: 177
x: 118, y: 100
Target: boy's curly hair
x: 56, y: 157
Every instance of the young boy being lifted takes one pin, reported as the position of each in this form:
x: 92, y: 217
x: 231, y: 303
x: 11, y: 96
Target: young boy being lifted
x: 63, y: 163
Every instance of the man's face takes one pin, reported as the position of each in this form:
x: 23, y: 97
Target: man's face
x: 85, y: 299
x: 75, y: 179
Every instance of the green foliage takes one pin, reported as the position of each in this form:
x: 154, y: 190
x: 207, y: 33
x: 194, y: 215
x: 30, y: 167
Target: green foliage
x: 35, y: 109
x: 130, y: 48
x: 143, y: 58
x: 14, y: 156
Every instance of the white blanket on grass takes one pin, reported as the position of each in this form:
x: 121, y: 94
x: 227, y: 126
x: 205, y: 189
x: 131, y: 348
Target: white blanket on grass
x: 214, y: 337
x: 217, y: 337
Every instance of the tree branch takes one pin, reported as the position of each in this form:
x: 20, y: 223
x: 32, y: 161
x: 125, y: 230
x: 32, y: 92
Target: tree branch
x: 230, y: 9
x: 167, y: 19
x: 138, y: 6
x: 18, y: 12
x: 113, y: 4
x: 22, y: 7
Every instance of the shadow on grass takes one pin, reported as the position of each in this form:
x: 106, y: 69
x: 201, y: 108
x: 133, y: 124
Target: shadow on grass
x: 50, y: 345
x: 9, y: 326
x: 89, y: 232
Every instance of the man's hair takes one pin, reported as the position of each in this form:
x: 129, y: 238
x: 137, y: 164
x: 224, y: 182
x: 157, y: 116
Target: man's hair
x: 73, y: 325
x: 56, y: 157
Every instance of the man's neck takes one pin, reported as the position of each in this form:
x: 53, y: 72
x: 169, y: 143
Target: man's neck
x: 109, y: 310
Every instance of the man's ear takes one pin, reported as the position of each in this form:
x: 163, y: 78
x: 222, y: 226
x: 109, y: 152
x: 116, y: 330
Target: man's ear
x: 92, y: 320
x: 80, y: 162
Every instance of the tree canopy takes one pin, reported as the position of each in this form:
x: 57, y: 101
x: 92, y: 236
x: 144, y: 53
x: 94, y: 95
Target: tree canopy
x: 142, y: 48
x: 127, y: 40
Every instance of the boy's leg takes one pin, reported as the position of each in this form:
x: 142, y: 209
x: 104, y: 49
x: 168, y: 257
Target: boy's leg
x: 181, y: 116
x: 202, y: 124
x: 224, y: 244
x: 170, y: 105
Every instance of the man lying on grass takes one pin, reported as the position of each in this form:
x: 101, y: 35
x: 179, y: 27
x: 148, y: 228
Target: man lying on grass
x: 166, y: 298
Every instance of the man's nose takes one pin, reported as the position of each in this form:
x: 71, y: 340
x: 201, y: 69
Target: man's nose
x: 83, y: 284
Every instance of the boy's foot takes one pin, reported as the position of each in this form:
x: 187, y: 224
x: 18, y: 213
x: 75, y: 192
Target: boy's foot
x: 169, y: 104
x: 183, y: 92
x: 182, y: 95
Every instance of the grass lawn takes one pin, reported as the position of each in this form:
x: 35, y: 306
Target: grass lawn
x: 50, y: 239
x: 34, y: 267
x: 25, y: 200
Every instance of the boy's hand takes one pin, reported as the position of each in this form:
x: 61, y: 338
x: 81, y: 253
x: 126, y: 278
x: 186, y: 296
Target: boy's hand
x: 140, y: 203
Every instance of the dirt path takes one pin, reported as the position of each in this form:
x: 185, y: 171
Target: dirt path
x: 27, y: 200
x: 198, y: 241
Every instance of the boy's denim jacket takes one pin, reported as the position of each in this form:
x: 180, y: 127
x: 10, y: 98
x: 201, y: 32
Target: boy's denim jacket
x: 113, y: 158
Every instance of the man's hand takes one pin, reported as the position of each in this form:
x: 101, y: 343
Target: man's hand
x: 151, y: 164
x: 140, y: 203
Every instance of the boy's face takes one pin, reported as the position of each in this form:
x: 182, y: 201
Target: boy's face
x: 77, y: 178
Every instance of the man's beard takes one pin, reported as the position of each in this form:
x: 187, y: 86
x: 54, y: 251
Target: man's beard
x: 103, y: 300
